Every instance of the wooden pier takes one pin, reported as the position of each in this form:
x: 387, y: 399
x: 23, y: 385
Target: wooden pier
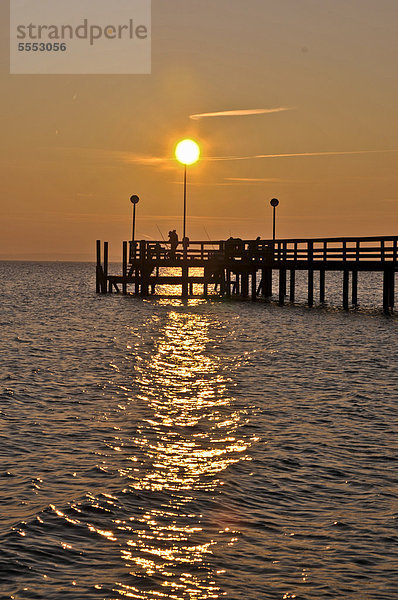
x: 243, y: 268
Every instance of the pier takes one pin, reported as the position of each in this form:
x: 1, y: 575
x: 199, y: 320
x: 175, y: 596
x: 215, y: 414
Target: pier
x: 244, y: 269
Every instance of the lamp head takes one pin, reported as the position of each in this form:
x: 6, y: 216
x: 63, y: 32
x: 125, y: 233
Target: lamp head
x: 134, y: 199
x: 274, y: 202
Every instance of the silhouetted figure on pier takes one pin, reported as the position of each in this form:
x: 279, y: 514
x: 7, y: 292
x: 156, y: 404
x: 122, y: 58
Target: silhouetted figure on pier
x: 158, y: 250
x: 173, y: 239
x: 185, y: 242
x: 229, y: 246
x: 234, y: 247
x: 253, y: 247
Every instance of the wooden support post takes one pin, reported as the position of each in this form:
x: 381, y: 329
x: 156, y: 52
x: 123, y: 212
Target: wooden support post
x: 386, y: 291
x: 322, y: 286
x: 392, y: 287
x: 245, y: 284
x: 292, y: 284
x: 254, y: 285
x: 184, y: 272
x: 228, y: 282
x: 267, y: 282
x: 346, y: 280
x: 137, y: 281
x: 237, y: 284
x: 282, y: 286
x: 145, y: 281
x: 310, y: 287
x: 310, y: 274
x: 355, y: 287
x: 284, y: 283
x: 222, y: 282
x: 205, y: 289
x: 124, y: 268
x: 191, y: 289
x: 143, y: 288
x: 98, y: 269
x: 105, y: 271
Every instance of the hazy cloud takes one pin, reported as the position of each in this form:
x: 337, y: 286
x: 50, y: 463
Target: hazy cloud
x: 240, y: 113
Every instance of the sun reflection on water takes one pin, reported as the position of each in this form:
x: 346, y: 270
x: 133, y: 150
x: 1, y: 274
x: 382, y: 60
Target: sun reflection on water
x: 190, y: 438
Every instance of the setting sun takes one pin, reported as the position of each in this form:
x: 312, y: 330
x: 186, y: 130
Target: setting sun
x: 187, y: 152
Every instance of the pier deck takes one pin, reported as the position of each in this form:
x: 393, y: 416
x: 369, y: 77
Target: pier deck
x: 244, y: 268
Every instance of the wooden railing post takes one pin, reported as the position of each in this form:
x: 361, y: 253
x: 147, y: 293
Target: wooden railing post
x: 142, y: 250
x: 310, y: 251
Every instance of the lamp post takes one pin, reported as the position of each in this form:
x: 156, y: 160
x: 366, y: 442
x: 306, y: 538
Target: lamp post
x: 134, y: 200
x: 187, y: 152
x: 274, y: 203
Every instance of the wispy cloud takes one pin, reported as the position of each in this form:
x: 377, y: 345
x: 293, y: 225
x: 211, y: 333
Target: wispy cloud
x: 298, y: 154
x: 240, y: 113
x: 229, y: 181
x: 113, y: 158
x: 255, y: 179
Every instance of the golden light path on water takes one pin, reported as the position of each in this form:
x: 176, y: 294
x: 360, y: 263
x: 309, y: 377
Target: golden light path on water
x: 191, y: 439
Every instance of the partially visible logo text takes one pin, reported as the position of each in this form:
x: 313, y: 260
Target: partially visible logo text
x: 84, y: 31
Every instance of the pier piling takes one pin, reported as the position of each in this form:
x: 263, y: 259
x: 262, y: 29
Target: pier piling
x: 346, y: 275
x: 322, y: 286
x: 124, y: 268
x: 282, y: 286
x: 310, y: 287
x: 292, y: 285
x: 354, y: 283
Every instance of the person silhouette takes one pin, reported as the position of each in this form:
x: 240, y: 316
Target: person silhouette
x: 173, y: 239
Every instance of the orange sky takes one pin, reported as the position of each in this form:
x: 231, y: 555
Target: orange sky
x: 76, y: 147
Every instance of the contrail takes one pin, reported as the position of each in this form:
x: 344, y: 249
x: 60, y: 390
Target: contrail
x: 240, y: 113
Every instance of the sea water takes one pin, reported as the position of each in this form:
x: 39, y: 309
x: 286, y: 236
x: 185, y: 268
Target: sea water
x: 155, y: 448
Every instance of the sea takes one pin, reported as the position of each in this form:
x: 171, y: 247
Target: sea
x: 165, y: 449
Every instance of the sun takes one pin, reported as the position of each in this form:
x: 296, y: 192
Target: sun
x: 187, y: 152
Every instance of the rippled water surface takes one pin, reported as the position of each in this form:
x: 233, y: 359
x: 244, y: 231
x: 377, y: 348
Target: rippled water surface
x: 155, y: 449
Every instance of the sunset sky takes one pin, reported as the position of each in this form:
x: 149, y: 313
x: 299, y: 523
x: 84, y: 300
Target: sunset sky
x: 294, y: 99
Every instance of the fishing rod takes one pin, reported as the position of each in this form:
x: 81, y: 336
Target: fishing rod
x: 160, y: 232
x: 207, y: 233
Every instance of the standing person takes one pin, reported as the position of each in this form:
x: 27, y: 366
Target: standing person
x: 173, y: 239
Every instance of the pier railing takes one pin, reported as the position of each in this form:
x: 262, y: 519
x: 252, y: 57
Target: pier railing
x: 379, y: 249
x: 371, y: 249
